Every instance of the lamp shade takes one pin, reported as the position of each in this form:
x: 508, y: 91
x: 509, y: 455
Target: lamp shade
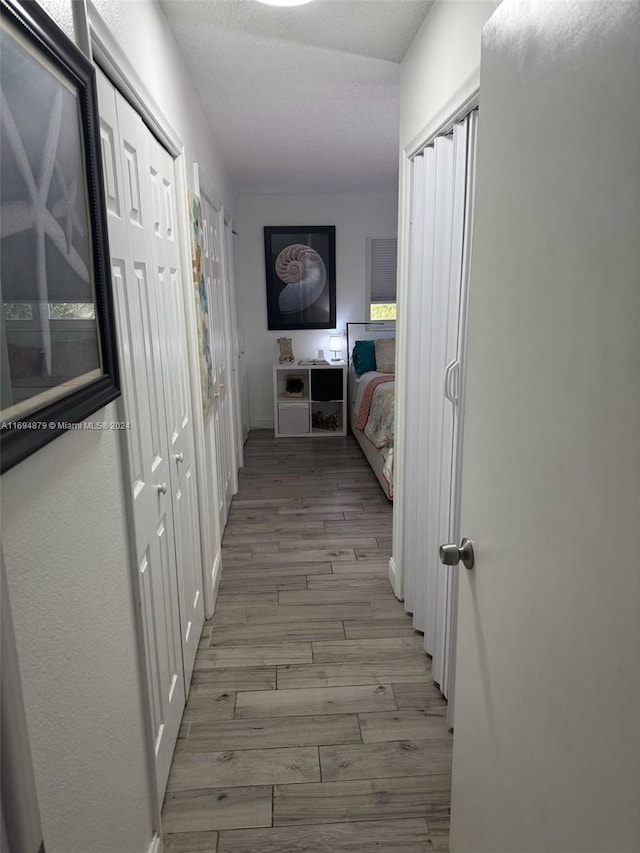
x: 335, y: 342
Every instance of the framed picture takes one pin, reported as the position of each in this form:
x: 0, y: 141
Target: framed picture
x: 300, y: 267
x: 57, y: 335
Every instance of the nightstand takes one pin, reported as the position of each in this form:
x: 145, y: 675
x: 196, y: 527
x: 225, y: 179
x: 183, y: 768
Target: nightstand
x: 310, y: 399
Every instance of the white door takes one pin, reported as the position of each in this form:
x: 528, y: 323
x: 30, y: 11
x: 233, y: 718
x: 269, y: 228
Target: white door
x: 220, y: 427
x: 243, y: 379
x: 231, y: 287
x: 546, y: 753
x: 177, y: 397
x: 125, y: 148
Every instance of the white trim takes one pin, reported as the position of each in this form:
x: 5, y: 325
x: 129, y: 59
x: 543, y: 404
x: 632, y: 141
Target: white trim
x: 156, y: 845
x: 404, y: 202
x: 204, y: 510
x: 394, y: 578
x: 216, y: 577
x: 81, y: 28
x: 261, y: 423
x: 232, y: 345
x: 114, y: 62
x: 465, y: 99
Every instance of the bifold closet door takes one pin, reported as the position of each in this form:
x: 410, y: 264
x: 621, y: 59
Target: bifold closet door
x: 126, y: 167
x: 177, y: 399
x: 440, y: 216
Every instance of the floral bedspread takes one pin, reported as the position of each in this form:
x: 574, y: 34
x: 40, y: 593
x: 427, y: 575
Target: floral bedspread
x: 376, y: 413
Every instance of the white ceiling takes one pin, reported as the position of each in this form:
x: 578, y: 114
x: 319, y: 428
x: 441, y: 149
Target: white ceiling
x: 303, y: 99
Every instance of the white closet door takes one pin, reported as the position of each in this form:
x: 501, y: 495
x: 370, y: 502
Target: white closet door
x: 125, y: 149
x: 242, y: 361
x: 178, y: 408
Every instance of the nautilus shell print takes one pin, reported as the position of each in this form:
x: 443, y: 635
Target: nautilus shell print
x: 305, y: 275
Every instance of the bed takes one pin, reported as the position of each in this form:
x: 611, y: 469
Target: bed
x: 371, y: 395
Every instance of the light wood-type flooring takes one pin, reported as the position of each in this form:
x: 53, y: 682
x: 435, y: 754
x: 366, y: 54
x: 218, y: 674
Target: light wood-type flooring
x: 312, y: 724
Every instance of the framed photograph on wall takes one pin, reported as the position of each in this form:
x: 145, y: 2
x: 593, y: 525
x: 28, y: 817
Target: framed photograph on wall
x: 57, y: 335
x: 300, y: 269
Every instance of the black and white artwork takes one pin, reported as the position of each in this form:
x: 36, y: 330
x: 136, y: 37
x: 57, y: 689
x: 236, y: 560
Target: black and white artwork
x: 300, y: 272
x: 58, y: 350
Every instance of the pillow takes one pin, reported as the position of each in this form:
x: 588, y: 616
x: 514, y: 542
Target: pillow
x: 364, y: 357
x: 385, y: 355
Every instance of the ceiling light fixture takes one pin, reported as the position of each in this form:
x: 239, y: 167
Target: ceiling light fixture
x: 285, y: 2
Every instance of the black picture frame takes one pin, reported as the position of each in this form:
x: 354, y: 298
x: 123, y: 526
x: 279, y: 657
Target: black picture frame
x: 300, y: 272
x: 30, y: 419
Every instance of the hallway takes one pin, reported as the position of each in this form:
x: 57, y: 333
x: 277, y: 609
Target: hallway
x: 312, y: 722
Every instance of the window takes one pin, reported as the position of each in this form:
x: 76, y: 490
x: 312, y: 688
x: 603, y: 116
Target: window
x: 382, y: 255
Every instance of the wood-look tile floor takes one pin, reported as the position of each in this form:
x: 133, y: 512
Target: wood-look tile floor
x: 312, y: 724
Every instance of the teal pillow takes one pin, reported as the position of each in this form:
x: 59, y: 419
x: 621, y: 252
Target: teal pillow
x: 364, y: 357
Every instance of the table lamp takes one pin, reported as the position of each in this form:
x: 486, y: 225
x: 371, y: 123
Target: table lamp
x: 335, y: 345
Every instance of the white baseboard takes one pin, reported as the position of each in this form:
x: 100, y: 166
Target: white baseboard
x: 156, y: 845
x: 216, y: 575
x: 395, y: 580
x: 261, y: 423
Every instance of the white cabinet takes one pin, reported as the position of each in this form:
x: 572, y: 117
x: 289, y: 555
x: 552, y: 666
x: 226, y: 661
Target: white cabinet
x: 310, y: 399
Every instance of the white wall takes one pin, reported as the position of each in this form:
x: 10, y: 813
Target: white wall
x: 65, y: 541
x: 442, y: 63
x: 158, y: 61
x: 356, y: 216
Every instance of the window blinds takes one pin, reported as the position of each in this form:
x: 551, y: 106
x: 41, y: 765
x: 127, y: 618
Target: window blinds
x: 384, y: 255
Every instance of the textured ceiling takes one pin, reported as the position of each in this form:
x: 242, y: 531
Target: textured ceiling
x: 303, y: 99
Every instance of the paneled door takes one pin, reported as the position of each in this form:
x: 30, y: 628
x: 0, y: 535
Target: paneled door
x: 126, y: 166
x: 141, y: 208
x: 177, y: 399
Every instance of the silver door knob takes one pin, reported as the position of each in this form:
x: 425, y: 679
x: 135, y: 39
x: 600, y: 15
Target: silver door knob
x: 179, y: 457
x: 451, y: 555
x: 162, y: 488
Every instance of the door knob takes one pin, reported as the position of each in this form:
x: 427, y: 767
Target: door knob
x: 451, y: 555
x: 179, y: 457
x: 162, y: 488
